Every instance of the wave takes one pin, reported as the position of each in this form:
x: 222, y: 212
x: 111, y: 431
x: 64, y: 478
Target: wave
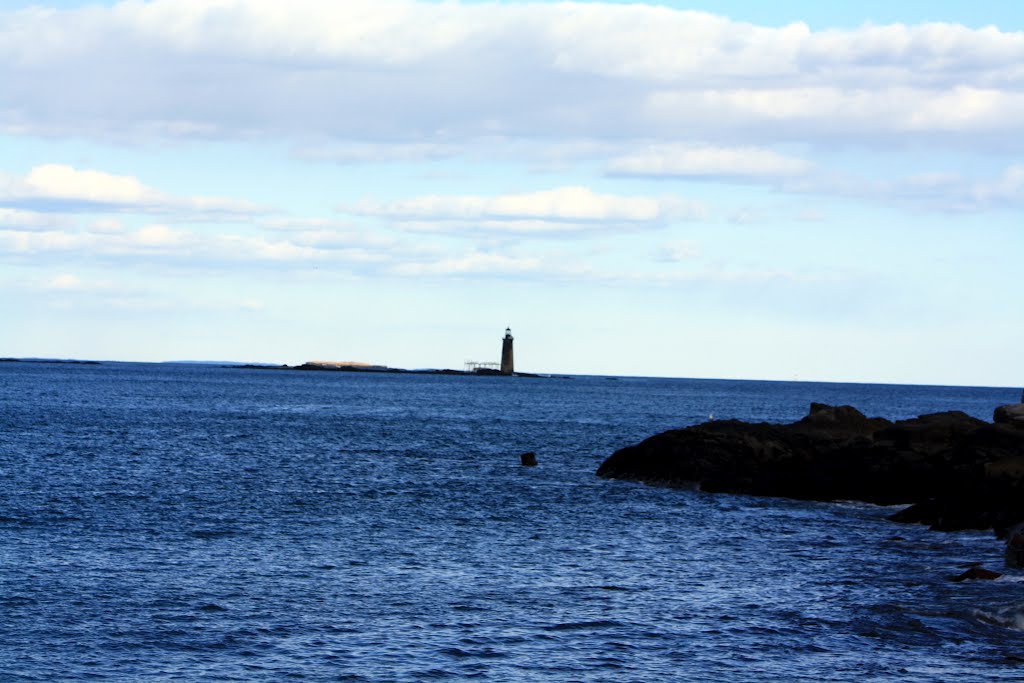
x: 1011, y: 617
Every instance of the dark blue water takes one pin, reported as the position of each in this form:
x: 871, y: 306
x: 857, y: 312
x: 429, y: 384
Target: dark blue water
x: 198, y: 523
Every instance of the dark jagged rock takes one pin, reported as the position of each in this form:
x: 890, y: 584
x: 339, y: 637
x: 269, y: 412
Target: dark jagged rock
x: 977, y: 574
x: 840, y: 421
x: 1011, y: 414
x: 958, y: 472
x: 1014, y: 553
x: 528, y: 459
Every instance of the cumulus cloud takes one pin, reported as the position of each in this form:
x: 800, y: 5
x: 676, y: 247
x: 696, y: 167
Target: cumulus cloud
x: 65, y: 182
x: 562, y: 209
x: 428, y: 75
x: 674, y: 161
x: 62, y: 188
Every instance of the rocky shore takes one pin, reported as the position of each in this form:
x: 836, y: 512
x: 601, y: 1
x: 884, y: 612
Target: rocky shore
x: 955, y: 471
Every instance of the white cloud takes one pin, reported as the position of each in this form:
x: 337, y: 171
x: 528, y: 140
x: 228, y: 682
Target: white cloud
x: 474, y: 263
x: 241, y: 247
x: 345, y: 241
x: 174, y: 243
x: 1007, y: 190
x: 20, y: 242
x: 675, y: 252
x: 160, y: 236
x: 68, y: 282
x: 429, y: 76
x: 513, y: 265
x: 293, y: 223
x: 563, y: 209
x: 745, y: 215
x: 935, y: 190
x: 675, y: 160
x: 324, y: 233
x: 252, y: 305
x: 740, y: 276
x: 59, y: 181
x: 65, y: 281
x: 833, y: 112
x: 365, y: 152
x: 160, y: 243
x: 17, y: 219
x: 810, y: 216
x: 111, y: 225
x: 63, y: 189
x: 564, y: 203
x: 170, y: 247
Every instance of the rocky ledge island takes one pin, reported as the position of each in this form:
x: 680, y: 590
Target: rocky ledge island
x: 956, y: 472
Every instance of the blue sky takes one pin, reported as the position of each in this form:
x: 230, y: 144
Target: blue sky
x: 728, y: 189
x: 976, y: 13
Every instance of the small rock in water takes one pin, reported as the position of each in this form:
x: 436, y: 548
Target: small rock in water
x: 976, y: 573
x: 212, y: 607
x: 528, y: 459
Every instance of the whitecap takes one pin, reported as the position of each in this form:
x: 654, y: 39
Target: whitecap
x: 1011, y: 617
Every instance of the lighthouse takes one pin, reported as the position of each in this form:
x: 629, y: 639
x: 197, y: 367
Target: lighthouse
x: 507, y: 367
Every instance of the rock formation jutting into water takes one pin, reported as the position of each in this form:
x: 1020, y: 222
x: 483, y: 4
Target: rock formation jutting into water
x: 956, y: 472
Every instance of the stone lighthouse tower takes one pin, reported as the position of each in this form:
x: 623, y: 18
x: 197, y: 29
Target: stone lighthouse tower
x: 507, y: 366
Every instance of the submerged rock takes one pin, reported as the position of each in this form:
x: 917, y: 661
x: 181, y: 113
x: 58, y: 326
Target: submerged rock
x: 977, y: 574
x: 957, y: 471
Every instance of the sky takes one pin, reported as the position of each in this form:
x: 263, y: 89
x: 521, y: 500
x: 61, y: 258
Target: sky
x: 749, y: 190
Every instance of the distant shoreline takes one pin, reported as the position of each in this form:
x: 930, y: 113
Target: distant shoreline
x: 380, y: 369
x: 308, y: 367
x: 60, y: 361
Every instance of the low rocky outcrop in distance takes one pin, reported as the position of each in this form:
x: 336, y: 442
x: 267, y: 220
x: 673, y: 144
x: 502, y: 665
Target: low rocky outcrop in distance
x: 956, y: 471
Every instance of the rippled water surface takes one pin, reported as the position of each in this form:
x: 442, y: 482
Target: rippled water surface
x: 168, y: 522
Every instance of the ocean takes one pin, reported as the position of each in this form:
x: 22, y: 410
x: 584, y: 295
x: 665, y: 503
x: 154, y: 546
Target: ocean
x: 196, y: 523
